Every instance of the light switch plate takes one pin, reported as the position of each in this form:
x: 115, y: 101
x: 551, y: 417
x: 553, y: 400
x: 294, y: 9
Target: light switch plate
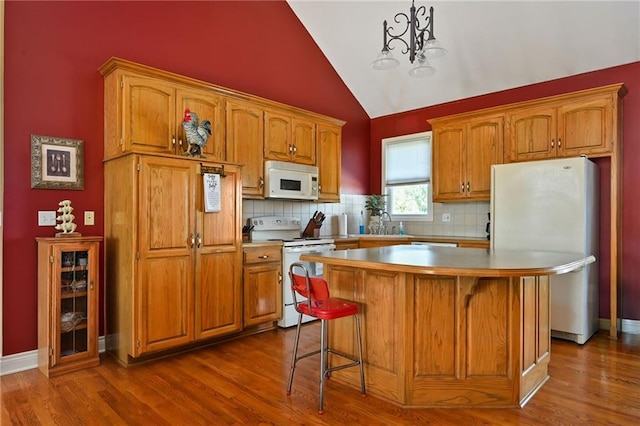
x: 446, y: 217
x: 46, y: 218
x: 89, y: 218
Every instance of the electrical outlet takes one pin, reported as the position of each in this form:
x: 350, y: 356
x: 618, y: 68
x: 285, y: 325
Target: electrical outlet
x: 89, y: 218
x: 446, y: 217
x: 46, y: 218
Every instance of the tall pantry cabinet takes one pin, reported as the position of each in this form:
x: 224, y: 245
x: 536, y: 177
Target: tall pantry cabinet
x: 174, y: 270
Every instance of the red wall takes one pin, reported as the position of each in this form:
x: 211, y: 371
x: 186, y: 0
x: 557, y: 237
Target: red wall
x: 52, y: 87
x: 416, y: 121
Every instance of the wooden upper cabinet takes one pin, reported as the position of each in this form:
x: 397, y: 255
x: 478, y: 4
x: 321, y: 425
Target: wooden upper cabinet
x: 532, y: 133
x: 245, y: 136
x: 329, y: 161
x: 277, y: 136
x: 565, y: 126
x: 148, y: 109
x: 303, y: 140
x: 208, y: 106
x: 145, y: 115
x: 448, y: 162
x: 586, y: 126
x: 463, y: 153
x: 484, y: 146
x: 289, y: 138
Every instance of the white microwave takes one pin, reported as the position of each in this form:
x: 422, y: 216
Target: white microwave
x: 291, y: 181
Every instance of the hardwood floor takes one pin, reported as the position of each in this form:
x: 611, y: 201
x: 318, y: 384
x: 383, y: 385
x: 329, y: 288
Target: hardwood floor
x: 243, y: 383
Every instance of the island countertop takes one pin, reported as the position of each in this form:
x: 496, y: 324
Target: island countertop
x: 456, y: 261
x: 447, y: 326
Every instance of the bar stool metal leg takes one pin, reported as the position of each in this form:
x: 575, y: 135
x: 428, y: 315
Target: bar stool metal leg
x: 295, y: 354
x: 358, y: 333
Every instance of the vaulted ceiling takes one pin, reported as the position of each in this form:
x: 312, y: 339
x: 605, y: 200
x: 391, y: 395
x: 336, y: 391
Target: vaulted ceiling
x: 492, y: 45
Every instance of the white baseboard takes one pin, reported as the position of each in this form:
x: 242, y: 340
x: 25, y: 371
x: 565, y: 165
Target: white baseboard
x: 29, y: 360
x: 624, y: 325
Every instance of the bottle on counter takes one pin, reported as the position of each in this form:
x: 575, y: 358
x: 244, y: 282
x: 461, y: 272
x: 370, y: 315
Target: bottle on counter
x: 361, y: 227
x: 401, y: 229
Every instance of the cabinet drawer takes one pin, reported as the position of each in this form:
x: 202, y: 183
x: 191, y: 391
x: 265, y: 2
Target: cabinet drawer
x: 262, y: 255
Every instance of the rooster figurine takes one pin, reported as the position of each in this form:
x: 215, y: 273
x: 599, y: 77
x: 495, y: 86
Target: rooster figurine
x: 196, y: 133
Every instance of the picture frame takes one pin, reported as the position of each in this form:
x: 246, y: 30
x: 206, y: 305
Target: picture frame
x: 57, y: 163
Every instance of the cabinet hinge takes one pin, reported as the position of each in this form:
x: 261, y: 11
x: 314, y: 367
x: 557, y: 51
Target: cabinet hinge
x: 138, y: 167
x: 51, y: 259
x: 121, y: 83
x: 138, y: 344
x: 612, y: 143
x: 50, y: 351
x: 138, y: 255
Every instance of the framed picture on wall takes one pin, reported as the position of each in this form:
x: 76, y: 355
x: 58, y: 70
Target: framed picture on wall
x: 56, y: 163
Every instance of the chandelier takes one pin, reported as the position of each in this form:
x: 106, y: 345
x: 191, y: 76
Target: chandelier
x: 418, y: 47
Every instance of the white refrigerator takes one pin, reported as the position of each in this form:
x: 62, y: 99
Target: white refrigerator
x: 552, y: 205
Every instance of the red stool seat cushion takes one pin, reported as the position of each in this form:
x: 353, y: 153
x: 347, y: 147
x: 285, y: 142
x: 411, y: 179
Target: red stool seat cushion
x: 327, y: 309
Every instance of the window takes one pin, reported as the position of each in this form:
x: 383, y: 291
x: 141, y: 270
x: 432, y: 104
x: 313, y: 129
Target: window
x: 406, y: 176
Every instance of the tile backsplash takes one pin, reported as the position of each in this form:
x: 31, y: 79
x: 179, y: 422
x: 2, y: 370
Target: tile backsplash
x: 467, y: 219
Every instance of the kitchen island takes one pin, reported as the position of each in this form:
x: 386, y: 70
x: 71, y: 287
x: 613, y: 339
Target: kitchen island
x: 447, y: 327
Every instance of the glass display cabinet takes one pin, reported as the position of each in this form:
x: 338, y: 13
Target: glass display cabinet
x: 67, y: 304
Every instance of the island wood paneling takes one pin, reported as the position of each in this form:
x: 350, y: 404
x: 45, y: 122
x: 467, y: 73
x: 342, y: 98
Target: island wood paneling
x: 445, y: 341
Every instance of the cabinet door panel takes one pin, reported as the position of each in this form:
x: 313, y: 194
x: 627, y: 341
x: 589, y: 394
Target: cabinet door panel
x: 218, y: 293
x: 532, y: 134
x: 149, y: 115
x: 166, y: 303
x: 167, y: 222
x: 585, y: 127
x: 484, y: 148
x: 277, y: 137
x: 329, y: 142
x: 219, y: 260
x: 210, y: 107
x: 262, y: 294
x: 304, y: 141
x: 448, y: 164
x: 245, y: 133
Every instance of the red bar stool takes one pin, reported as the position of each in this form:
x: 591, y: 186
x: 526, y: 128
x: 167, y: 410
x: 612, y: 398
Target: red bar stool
x: 321, y: 305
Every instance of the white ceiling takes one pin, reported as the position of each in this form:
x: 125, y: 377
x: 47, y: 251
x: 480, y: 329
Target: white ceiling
x: 492, y: 45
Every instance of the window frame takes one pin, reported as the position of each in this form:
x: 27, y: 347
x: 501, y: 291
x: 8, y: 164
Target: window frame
x: 383, y: 181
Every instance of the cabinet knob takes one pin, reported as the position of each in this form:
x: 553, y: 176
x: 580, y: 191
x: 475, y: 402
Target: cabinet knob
x: 261, y: 184
x: 264, y: 256
x: 193, y: 239
x: 462, y: 187
x: 279, y: 278
x: 468, y: 187
x: 91, y: 285
x: 290, y: 148
x: 199, y: 240
x: 553, y: 141
x: 559, y: 143
x: 295, y: 149
x: 173, y: 141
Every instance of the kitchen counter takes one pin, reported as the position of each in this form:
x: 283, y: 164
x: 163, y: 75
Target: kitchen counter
x: 447, y: 327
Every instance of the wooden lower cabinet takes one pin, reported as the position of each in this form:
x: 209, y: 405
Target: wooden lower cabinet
x: 445, y: 341
x: 174, y: 270
x: 381, y: 242
x: 346, y: 245
x: 262, y: 284
x: 68, y: 304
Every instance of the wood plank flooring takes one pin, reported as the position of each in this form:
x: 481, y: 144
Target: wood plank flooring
x: 243, y: 383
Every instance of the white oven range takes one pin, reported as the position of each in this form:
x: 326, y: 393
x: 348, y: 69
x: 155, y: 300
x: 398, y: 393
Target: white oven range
x: 288, y: 230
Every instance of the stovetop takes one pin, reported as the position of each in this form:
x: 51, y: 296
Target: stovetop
x: 285, y: 229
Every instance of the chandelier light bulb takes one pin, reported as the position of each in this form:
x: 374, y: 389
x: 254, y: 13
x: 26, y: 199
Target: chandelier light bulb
x: 423, y: 69
x: 432, y: 49
x: 385, y: 61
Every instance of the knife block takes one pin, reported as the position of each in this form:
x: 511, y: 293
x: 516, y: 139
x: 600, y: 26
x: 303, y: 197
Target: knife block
x: 312, y: 229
